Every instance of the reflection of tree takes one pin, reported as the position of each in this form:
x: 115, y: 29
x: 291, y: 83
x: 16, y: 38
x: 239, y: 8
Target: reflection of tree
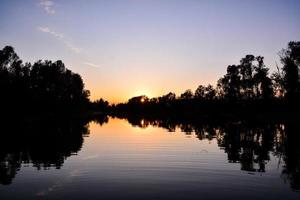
x: 249, y: 144
x: 101, y: 119
x: 44, y: 143
x: 144, y: 123
x: 9, y: 165
x: 230, y: 143
x: 291, y: 156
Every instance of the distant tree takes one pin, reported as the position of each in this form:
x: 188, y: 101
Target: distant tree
x: 261, y: 81
x: 246, y: 81
x: 200, y: 92
x: 9, y: 67
x: 45, y: 84
x: 138, y: 100
x: 52, y: 83
x: 231, y: 83
x: 290, y: 58
x: 188, y: 94
x: 277, y: 83
x: 101, y: 102
x: 100, y: 105
x: 220, y: 89
x: 210, y: 92
x: 246, y: 73
x: 207, y: 93
x: 154, y: 100
x: 8, y: 57
x: 167, y: 98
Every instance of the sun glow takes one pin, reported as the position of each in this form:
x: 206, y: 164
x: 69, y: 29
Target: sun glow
x: 142, y: 92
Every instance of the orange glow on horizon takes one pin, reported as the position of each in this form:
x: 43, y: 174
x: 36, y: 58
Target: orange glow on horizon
x: 115, y: 92
x: 121, y: 96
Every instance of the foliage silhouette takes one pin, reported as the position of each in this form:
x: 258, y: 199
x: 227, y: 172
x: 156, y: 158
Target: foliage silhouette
x: 290, y: 59
x: 45, y: 85
x: 245, y: 89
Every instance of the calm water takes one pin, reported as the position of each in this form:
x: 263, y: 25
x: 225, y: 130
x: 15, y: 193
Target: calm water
x: 149, y: 160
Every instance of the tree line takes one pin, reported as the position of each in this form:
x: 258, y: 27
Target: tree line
x: 44, y: 85
x: 248, y: 84
x: 47, y: 85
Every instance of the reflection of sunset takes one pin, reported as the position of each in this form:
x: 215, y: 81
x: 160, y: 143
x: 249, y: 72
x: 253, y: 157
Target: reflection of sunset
x: 119, y: 136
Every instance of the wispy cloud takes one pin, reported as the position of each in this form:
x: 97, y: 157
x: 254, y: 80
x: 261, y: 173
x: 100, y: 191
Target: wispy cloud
x: 60, y: 37
x: 91, y: 64
x: 55, y: 34
x: 72, y: 47
x: 48, y: 6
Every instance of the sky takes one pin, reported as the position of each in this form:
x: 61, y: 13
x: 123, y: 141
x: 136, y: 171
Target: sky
x: 125, y: 48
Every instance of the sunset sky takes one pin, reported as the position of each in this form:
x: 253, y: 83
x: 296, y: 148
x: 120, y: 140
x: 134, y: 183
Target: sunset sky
x: 127, y: 48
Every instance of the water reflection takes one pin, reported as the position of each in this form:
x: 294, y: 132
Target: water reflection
x: 46, y: 144
x: 247, y: 143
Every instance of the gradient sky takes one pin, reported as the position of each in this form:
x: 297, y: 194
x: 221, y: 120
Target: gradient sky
x: 127, y: 48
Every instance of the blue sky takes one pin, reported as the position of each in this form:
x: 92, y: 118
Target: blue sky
x: 125, y: 48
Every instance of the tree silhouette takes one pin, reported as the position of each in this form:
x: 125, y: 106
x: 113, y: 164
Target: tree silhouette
x: 167, y: 98
x: 263, y: 84
x: 246, y: 73
x: 47, y: 85
x: 210, y: 92
x: 231, y: 83
x: 100, y: 104
x: 278, y: 83
x: 205, y: 93
x: 42, y: 86
x: 138, y: 100
x: 200, y: 92
x: 290, y: 59
x: 188, y: 94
